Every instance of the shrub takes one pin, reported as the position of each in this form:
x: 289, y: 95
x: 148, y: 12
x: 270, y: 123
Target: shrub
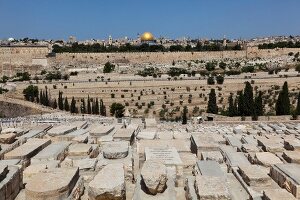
x: 220, y: 79
x: 211, y: 80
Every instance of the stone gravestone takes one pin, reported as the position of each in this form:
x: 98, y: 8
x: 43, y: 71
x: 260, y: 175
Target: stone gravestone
x: 168, y: 156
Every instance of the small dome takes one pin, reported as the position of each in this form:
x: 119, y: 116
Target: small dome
x: 147, y: 36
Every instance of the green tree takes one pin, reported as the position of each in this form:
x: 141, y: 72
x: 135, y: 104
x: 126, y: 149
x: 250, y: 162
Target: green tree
x: 54, y: 104
x: 73, y: 106
x: 283, y: 106
x: 258, y: 102
x: 248, y: 99
x: 108, y: 67
x: 89, y: 108
x: 210, y: 66
x: 211, y: 80
x: 83, y: 107
x: 297, y: 68
x: 222, y: 65
x: 60, y: 101
x: 298, y: 105
x: 235, y: 107
x: 184, y: 115
x: 220, y: 79
x: 231, y: 111
x: 241, y: 104
x: 102, y: 108
x: 212, y: 102
x: 31, y: 92
x: 97, y: 107
x: 117, y: 110
x: 66, y: 104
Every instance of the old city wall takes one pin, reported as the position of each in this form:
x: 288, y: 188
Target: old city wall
x: 149, y: 57
x: 33, y: 59
x: 166, y: 57
x: 22, y: 58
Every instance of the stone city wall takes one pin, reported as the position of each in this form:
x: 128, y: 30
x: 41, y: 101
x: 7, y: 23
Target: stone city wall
x: 34, y: 59
x: 166, y: 57
x: 22, y: 58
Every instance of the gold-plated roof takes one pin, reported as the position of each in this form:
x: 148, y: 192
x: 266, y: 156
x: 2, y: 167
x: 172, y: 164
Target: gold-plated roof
x: 147, y: 36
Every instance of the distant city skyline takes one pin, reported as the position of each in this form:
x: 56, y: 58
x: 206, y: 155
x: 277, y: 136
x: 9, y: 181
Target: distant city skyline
x: 173, y: 19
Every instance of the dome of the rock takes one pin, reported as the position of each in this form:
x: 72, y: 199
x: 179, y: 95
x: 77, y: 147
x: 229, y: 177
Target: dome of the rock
x: 147, y: 36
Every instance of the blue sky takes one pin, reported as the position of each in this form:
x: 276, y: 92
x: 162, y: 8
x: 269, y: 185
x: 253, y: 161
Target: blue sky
x: 58, y: 19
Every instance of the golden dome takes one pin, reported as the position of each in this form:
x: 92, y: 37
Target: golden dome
x: 147, y: 36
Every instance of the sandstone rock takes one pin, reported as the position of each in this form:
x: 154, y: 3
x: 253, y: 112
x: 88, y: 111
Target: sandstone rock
x: 115, y: 150
x: 155, y: 180
x: 108, y: 184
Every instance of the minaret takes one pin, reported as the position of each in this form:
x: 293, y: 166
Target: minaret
x: 224, y: 41
x: 110, y: 40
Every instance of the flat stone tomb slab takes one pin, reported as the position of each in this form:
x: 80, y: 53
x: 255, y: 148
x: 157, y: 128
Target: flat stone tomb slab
x: 147, y: 134
x: 61, y: 130
x: 101, y: 130
x: 27, y: 150
x: 179, y: 144
x: 115, y: 150
x: 79, y: 149
x: 77, y: 132
x: 292, y: 156
x: 3, y: 171
x: 53, y: 184
x: 168, y: 156
x: 266, y: 159
x: 247, y: 148
x: 208, y: 187
x: 54, y: 151
x: 212, y: 155
x: 210, y: 168
x: 233, y: 141
x: 292, y: 144
x: 235, y: 159
x: 287, y: 176
x: 36, y: 131
x: 79, y: 124
x: 10, y: 181
x: 254, y: 175
x: 277, y: 194
x: 124, y: 134
x: 7, y: 138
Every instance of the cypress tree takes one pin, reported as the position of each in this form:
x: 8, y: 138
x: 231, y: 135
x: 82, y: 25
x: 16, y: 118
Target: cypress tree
x: 60, y: 101
x: 97, y: 107
x: 241, y: 104
x: 83, y: 108
x: 54, y: 105
x: 283, y: 105
x: 235, y: 107
x: 102, y: 108
x: 298, y: 105
x: 41, y: 97
x: 212, y: 102
x: 259, y: 108
x: 184, y: 115
x: 230, y: 106
x: 66, y: 104
x: 248, y: 100
x: 73, y: 106
x: 89, y: 109
x: 46, y: 98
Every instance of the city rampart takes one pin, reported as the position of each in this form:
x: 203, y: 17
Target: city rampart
x: 34, y: 58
